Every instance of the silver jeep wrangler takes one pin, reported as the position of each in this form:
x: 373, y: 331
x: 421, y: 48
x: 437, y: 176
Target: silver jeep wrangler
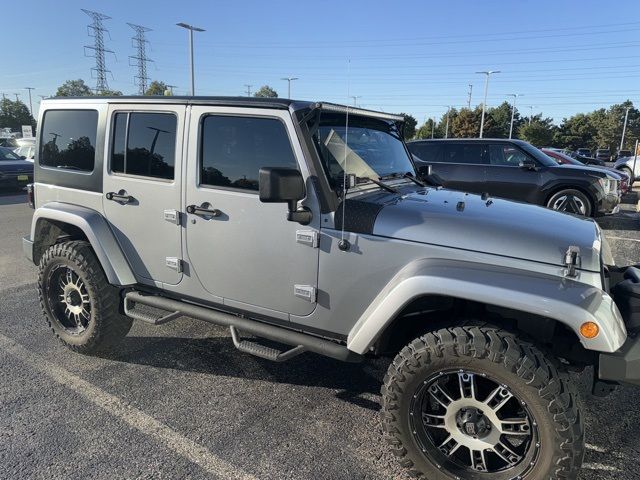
x: 153, y: 208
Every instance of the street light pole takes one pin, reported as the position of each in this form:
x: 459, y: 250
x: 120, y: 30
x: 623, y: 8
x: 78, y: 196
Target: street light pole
x: 446, y: 128
x: 624, y: 128
x: 513, y: 111
x: 289, y: 80
x: 433, y: 126
x: 31, y: 105
x: 191, y: 29
x: 486, y: 90
x: 355, y: 99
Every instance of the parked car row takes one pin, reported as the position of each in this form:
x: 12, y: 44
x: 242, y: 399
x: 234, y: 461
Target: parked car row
x: 515, y: 170
x: 602, y: 154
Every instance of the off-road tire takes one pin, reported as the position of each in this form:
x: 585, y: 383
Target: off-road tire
x: 588, y: 202
x: 549, y: 393
x: 106, y: 325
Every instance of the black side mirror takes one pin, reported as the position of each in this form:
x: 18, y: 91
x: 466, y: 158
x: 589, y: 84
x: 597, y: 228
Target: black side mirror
x: 284, y: 185
x: 528, y: 165
x: 424, y: 171
x: 22, y: 157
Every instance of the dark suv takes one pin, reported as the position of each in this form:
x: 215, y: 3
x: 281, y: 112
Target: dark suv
x: 516, y: 170
x: 603, y: 154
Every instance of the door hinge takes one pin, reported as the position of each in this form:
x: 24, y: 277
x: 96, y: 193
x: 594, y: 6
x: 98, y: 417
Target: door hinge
x: 307, y: 292
x: 174, y: 263
x: 172, y: 216
x: 307, y: 237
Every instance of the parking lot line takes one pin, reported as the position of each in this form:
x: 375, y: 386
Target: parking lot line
x: 132, y: 416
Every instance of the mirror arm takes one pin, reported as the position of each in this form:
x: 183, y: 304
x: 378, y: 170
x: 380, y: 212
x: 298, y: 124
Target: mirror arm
x: 302, y: 215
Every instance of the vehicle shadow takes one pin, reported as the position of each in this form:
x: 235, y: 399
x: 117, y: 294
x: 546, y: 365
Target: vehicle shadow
x: 354, y: 382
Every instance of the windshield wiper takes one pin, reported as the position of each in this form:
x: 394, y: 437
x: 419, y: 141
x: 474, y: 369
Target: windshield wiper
x: 407, y: 175
x: 377, y: 182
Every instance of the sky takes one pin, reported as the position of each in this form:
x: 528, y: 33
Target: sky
x: 417, y: 57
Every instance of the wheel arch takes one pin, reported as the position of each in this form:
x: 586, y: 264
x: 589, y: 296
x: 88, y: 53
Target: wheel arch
x: 57, y: 221
x: 531, y: 295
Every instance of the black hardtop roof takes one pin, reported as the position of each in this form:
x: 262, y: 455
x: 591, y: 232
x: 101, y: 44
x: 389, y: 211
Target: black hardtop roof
x: 488, y: 140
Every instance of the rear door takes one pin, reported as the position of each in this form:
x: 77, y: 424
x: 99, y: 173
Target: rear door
x: 142, y: 191
x: 504, y: 176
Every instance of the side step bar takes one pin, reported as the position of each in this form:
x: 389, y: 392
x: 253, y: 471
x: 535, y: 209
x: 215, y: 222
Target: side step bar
x: 300, y: 342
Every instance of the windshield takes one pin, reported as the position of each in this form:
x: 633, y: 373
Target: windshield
x: 374, y: 148
x: 7, y: 154
x: 562, y: 158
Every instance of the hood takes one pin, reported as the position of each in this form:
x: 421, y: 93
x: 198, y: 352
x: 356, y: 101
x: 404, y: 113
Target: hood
x: 466, y: 221
x: 596, y: 170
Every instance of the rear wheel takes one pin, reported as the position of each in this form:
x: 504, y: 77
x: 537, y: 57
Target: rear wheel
x: 478, y: 403
x: 79, y: 304
x: 571, y: 201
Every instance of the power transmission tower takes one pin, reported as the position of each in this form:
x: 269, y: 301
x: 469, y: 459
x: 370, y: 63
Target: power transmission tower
x: 96, y: 30
x: 469, y: 97
x: 248, y: 89
x: 140, y: 44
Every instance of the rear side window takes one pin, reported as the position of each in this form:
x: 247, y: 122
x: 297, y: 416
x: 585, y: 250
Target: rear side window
x: 144, y: 144
x: 427, y: 152
x: 68, y: 139
x: 463, y: 153
x: 506, y: 155
x: 235, y: 148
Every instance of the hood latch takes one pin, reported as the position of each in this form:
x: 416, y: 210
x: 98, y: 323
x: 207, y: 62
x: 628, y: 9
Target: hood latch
x: 572, y: 261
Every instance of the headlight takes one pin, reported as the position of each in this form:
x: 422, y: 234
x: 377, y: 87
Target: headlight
x: 604, y: 183
x: 609, y: 184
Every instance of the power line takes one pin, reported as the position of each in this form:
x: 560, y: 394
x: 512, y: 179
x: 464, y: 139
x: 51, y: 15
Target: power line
x: 141, y: 60
x: 98, y: 47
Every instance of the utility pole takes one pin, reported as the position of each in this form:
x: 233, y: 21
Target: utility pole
x: 33, y: 88
x: 289, y: 80
x: 191, y: 29
x: 433, y: 126
x: 513, y: 111
x: 141, y: 60
x: 355, y: 99
x: 624, y: 128
x: 469, y: 98
x: 446, y: 128
x: 248, y: 89
x: 531, y: 107
x: 171, y: 87
x: 17, y: 97
x: 488, y: 73
x: 98, y: 48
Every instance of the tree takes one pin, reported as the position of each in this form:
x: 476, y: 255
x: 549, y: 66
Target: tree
x: 110, y: 93
x: 497, y: 121
x: 539, y: 133
x: 466, y: 123
x: 410, y: 123
x: 575, y: 132
x: 157, y: 88
x: 14, y: 114
x: 73, y: 88
x: 266, y: 92
x: 428, y: 128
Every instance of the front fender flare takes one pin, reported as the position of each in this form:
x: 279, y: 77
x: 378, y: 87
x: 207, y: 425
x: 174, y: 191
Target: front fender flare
x: 96, y: 229
x: 567, y: 301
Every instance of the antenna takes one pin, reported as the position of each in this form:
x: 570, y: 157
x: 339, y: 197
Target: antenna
x: 344, y: 244
x: 98, y: 47
x: 141, y: 60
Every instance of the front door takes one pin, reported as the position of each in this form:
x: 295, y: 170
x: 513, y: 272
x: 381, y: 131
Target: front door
x: 142, y: 190
x: 504, y: 176
x: 238, y: 248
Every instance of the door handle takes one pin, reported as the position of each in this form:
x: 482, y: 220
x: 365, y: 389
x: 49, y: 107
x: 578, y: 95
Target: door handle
x: 120, y: 197
x: 203, y: 211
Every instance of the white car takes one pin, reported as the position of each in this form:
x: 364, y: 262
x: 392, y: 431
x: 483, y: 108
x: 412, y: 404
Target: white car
x: 630, y: 166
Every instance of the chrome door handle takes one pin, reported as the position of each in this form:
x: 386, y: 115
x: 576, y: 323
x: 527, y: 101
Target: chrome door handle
x: 203, y: 211
x: 120, y: 197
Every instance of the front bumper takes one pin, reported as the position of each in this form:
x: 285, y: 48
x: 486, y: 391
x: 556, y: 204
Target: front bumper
x: 16, y: 181
x: 622, y: 366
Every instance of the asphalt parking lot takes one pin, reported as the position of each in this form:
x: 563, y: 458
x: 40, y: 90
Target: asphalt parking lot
x: 178, y: 401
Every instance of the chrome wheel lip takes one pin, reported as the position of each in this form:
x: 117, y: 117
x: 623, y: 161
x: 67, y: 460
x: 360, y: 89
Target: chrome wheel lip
x: 443, y: 462
x: 570, y: 204
x: 69, y: 300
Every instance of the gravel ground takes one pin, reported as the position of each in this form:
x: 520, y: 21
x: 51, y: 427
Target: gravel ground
x: 178, y: 401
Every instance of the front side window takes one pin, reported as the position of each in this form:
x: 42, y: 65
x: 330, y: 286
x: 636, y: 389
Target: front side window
x: 506, y: 155
x: 144, y: 144
x: 68, y: 139
x: 233, y: 149
x: 367, y: 148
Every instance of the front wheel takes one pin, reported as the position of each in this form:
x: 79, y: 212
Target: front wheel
x: 571, y: 201
x: 475, y: 403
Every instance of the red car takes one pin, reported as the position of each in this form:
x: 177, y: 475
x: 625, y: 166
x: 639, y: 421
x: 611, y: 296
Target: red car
x: 564, y: 159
